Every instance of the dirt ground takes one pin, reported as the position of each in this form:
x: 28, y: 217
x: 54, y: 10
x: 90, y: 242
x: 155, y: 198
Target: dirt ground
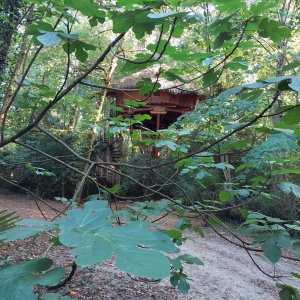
x: 228, y: 272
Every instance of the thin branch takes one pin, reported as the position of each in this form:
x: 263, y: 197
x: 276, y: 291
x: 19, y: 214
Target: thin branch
x: 54, y: 158
x: 150, y: 59
x: 7, y: 103
x: 62, y: 94
x: 29, y: 192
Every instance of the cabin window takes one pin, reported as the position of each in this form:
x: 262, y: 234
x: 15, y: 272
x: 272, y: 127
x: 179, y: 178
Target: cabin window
x: 157, y: 93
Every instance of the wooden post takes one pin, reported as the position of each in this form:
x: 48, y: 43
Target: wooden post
x: 157, y: 128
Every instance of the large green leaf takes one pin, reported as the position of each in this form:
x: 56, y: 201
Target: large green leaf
x: 224, y: 196
x: 228, y: 6
x: 273, y: 30
x: 94, y: 239
x: 54, y: 296
x: 93, y: 216
x: 180, y: 279
x: 288, y: 187
x: 292, y: 65
x: 170, y: 144
x: 259, y: 7
x: 17, y: 281
x: 238, y: 63
x: 292, y: 116
x: 50, y: 38
x: 271, y: 242
x: 288, y: 292
x: 221, y: 38
x: 32, y: 228
x: 80, y: 48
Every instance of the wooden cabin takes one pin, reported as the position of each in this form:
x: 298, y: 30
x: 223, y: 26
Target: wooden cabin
x: 172, y: 100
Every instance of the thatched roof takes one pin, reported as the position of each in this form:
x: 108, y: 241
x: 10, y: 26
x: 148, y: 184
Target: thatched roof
x: 176, y: 87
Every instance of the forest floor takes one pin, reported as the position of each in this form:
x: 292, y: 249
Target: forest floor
x: 228, y: 271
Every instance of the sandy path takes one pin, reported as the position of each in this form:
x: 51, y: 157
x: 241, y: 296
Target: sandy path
x: 228, y: 272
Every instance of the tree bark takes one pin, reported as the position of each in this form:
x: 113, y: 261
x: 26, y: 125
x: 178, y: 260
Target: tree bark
x: 93, y: 133
x: 281, y: 60
x: 9, y: 92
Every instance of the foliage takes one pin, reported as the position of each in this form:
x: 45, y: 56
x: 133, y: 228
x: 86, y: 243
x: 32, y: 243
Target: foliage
x: 236, y: 51
x: 7, y: 220
x: 17, y: 281
x: 42, y: 176
x: 89, y: 234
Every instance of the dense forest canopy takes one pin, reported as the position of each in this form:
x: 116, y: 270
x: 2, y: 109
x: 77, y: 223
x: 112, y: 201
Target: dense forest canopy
x: 234, y: 156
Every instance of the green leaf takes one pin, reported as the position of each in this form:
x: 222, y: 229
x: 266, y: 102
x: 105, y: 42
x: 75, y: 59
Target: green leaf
x: 54, y: 296
x: 273, y: 30
x: 274, y: 130
x: 184, y: 162
x: 165, y: 15
x: 293, y: 65
x: 48, y: 38
x: 173, y: 233
x: 295, y: 84
x: 238, y: 63
x: 114, y: 107
x: 17, y: 281
x: 198, y: 230
x: 221, y: 38
x: 146, y: 85
x: 34, y: 29
x: 221, y: 25
x: 80, y: 48
x: 233, y: 126
x: 271, y: 251
x: 33, y: 227
x: 93, y: 239
x: 263, y: 258
x: 237, y: 89
x: 292, y: 116
x: 172, y: 76
x: 190, y: 259
x: 260, y: 7
x: 288, y: 187
x: 296, y: 275
x: 94, y: 215
x: 286, y: 171
x: 244, y: 193
x: 288, y: 292
x: 176, y: 263
x: 271, y: 242
x: 215, y: 221
x: 115, y: 188
x: 251, y: 95
x: 211, y: 77
x: 170, y: 144
x: 229, y: 6
x: 134, y: 103
x: 224, y: 196
x: 283, y: 85
x: 223, y: 166
x: 179, y: 279
x: 244, y: 213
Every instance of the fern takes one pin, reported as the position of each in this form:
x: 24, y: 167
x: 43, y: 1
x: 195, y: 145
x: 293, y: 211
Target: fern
x: 7, y: 220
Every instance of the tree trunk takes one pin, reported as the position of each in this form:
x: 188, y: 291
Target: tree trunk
x: 93, y: 133
x: 281, y: 60
x: 9, y: 92
x: 11, y: 9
